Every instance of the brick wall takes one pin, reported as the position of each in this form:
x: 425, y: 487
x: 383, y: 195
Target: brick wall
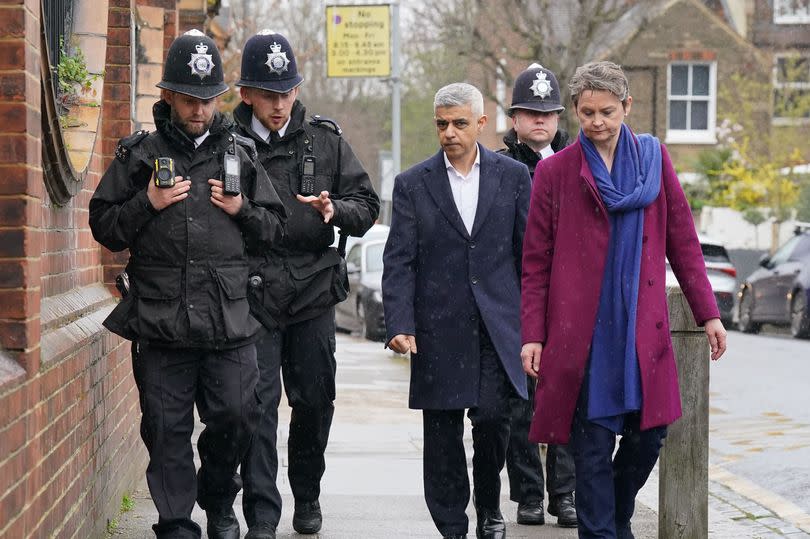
x: 69, y: 442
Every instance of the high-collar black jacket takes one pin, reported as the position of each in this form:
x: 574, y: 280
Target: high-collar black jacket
x: 521, y: 152
x: 188, y: 265
x: 355, y: 202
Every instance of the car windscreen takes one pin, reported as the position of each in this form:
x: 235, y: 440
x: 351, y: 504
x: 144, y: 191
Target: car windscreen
x: 374, y: 257
x: 714, y: 253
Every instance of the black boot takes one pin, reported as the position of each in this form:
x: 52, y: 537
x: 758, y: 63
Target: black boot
x: 307, y: 518
x: 490, y: 524
x: 531, y: 513
x: 262, y: 530
x: 222, y: 524
x: 563, y: 508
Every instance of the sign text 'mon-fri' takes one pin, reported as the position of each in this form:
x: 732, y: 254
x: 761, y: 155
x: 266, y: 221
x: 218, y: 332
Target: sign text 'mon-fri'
x: 358, y: 41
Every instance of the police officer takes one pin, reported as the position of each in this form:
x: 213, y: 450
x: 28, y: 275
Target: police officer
x: 323, y: 185
x: 535, y: 114
x: 186, y: 311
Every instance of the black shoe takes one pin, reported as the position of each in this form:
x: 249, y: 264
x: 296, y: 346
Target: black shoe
x: 222, y: 524
x: 455, y: 536
x: 563, y: 508
x: 307, y: 517
x: 262, y: 530
x: 531, y: 514
x: 490, y: 525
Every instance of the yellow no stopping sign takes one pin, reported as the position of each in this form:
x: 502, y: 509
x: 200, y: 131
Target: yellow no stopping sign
x: 358, y: 41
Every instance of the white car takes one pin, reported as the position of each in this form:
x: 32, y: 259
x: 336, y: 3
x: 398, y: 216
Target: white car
x: 722, y: 276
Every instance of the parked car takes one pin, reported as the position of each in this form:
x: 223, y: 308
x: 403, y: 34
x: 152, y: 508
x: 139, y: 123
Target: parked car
x: 722, y: 276
x: 376, y: 232
x: 779, y: 291
x: 362, y: 311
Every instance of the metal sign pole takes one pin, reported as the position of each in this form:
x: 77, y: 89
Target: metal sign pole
x: 396, y: 155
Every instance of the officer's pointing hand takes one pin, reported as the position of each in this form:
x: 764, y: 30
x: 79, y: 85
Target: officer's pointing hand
x: 322, y: 203
x: 230, y: 204
x: 163, y: 197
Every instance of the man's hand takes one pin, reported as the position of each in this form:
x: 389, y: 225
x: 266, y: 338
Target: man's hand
x: 530, y: 354
x: 322, y: 203
x: 230, y: 204
x: 716, y: 334
x: 163, y: 197
x: 403, y: 344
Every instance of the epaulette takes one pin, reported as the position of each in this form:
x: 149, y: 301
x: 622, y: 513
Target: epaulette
x: 319, y: 121
x: 126, y: 144
x: 247, y: 143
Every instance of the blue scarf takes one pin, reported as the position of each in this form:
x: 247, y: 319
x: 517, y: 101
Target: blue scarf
x: 614, y: 379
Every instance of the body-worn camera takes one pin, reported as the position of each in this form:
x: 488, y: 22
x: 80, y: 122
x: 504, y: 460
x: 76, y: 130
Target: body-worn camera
x: 231, y: 176
x: 164, y: 172
x: 307, y: 186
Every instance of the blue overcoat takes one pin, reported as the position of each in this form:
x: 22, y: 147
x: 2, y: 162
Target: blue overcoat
x: 438, y: 279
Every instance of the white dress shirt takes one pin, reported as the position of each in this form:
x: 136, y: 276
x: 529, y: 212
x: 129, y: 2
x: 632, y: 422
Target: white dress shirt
x: 546, y: 152
x: 199, y: 140
x: 259, y: 128
x: 465, y: 189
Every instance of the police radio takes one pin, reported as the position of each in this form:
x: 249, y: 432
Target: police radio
x: 164, y: 172
x: 231, y: 176
x: 307, y: 186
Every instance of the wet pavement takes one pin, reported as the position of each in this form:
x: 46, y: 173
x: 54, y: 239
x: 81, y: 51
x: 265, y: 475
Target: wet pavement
x: 373, y: 482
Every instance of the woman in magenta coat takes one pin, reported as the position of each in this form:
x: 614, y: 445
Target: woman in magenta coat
x: 606, y: 213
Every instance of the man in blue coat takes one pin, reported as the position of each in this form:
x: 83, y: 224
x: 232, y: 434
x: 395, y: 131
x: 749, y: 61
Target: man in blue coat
x: 452, y: 299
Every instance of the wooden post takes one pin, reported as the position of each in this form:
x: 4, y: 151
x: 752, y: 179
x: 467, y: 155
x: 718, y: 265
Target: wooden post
x: 683, y: 492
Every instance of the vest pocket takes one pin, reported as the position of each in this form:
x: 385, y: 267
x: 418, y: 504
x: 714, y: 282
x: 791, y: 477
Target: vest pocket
x: 158, y: 292
x: 237, y: 322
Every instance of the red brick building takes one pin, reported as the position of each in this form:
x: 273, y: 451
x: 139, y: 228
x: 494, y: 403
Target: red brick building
x: 674, y: 52
x: 69, y: 434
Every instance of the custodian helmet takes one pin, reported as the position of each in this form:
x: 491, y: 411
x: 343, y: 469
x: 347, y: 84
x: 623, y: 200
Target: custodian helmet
x: 194, y: 67
x: 268, y: 63
x: 536, y: 88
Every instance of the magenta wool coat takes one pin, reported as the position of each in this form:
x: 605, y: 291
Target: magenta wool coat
x: 564, y: 251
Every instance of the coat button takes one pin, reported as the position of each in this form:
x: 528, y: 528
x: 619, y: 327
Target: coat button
x: 472, y: 245
x: 191, y: 261
x: 650, y: 282
x: 190, y: 219
x: 596, y: 209
x: 190, y: 306
x: 475, y: 280
x: 659, y: 325
x: 474, y: 318
x: 188, y: 177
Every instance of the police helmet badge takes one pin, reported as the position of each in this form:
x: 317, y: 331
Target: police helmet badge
x: 201, y: 63
x: 541, y: 86
x: 277, y: 61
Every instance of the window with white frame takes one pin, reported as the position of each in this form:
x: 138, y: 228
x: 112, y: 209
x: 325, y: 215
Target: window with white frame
x: 791, y: 89
x: 691, y: 96
x: 791, y: 11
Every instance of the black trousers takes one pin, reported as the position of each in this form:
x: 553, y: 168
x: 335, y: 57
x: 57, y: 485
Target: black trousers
x: 447, y: 485
x: 223, y: 386
x: 523, y: 462
x: 607, y: 485
x: 305, y: 354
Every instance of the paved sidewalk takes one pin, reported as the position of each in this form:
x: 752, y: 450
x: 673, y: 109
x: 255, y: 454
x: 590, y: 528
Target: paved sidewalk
x: 373, y: 482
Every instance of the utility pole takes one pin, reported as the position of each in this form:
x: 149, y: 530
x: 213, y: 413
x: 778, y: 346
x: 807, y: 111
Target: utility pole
x: 396, y: 129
